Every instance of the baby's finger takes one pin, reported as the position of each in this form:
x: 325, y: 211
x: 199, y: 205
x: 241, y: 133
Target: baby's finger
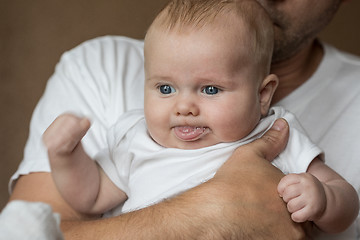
x: 290, y: 192
x: 65, y: 133
x: 287, y: 181
x: 75, y: 130
x: 301, y: 215
x: 84, y: 125
x: 296, y: 204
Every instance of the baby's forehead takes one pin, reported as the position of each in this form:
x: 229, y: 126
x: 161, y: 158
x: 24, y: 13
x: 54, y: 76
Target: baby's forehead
x: 231, y: 39
x: 197, y: 19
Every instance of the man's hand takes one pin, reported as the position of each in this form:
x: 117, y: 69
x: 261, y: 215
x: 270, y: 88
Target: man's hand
x: 244, y: 191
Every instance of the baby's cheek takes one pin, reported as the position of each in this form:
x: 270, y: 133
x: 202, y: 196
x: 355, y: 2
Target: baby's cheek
x: 158, y: 136
x: 229, y: 132
x: 235, y: 131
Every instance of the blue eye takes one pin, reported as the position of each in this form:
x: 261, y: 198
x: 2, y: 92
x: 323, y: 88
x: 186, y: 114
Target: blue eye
x: 166, y: 89
x: 210, y: 90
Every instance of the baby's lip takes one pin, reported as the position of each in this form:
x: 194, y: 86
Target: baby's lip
x: 189, y: 133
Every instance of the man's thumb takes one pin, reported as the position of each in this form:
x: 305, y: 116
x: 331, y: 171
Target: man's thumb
x: 274, y: 141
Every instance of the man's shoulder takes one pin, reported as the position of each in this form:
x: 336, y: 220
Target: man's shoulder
x: 106, y: 46
x: 345, y: 58
x: 118, y: 41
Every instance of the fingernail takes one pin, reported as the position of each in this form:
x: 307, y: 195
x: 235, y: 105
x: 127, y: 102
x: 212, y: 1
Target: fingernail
x: 279, y: 125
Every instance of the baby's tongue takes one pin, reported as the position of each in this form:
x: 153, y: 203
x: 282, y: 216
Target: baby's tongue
x: 187, y: 133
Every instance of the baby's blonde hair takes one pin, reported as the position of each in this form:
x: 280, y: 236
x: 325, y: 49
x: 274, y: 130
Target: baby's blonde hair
x: 178, y: 14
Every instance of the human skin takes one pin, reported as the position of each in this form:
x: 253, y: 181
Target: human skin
x: 78, y: 178
x: 189, y: 62
x: 297, y: 53
x: 293, y: 66
x: 220, y: 214
x: 194, y: 77
x: 320, y: 195
x: 297, y: 56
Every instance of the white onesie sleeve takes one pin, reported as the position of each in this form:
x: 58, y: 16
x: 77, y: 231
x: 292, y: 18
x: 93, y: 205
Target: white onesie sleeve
x: 300, y: 151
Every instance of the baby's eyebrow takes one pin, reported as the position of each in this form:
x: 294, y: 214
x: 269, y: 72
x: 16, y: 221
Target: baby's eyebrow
x: 217, y: 81
x: 158, y: 78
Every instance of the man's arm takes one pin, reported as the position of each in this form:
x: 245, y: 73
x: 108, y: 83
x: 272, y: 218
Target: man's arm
x: 240, y: 202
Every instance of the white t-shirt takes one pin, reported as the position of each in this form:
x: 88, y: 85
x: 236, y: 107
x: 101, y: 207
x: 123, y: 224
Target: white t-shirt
x: 328, y: 107
x: 148, y: 172
x: 104, y: 77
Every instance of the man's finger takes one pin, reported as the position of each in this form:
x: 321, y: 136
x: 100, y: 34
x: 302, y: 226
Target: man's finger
x: 274, y: 141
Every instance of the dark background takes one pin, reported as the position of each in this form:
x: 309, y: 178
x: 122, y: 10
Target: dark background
x: 34, y: 34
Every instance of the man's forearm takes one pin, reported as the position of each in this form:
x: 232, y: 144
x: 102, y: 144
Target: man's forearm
x: 249, y: 208
x: 178, y: 218
x: 184, y: 218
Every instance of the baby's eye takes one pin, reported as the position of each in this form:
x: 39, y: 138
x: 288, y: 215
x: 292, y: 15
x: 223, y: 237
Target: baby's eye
x: 166, y: 89
x: 210, y: 90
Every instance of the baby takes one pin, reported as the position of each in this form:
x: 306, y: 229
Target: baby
x: 207, y: 90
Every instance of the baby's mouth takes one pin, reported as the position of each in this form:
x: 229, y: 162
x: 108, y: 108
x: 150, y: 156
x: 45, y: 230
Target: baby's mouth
x: 188, y: 133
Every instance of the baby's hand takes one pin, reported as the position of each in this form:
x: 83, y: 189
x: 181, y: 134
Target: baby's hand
x: 65, y: 134
x: 304, y: 195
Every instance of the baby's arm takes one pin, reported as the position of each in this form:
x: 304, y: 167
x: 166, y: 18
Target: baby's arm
x: 320, y: 195
x: 79, y: 179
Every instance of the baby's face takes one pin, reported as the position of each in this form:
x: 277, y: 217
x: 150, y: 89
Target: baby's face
x: 200, y: 89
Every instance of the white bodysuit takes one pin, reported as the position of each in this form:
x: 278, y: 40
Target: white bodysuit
x: 148, y: 172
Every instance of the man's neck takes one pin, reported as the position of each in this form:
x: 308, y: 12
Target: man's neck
x: 296, y: 70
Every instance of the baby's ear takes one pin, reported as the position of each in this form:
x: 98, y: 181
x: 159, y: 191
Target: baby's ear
x: 266, y: 92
